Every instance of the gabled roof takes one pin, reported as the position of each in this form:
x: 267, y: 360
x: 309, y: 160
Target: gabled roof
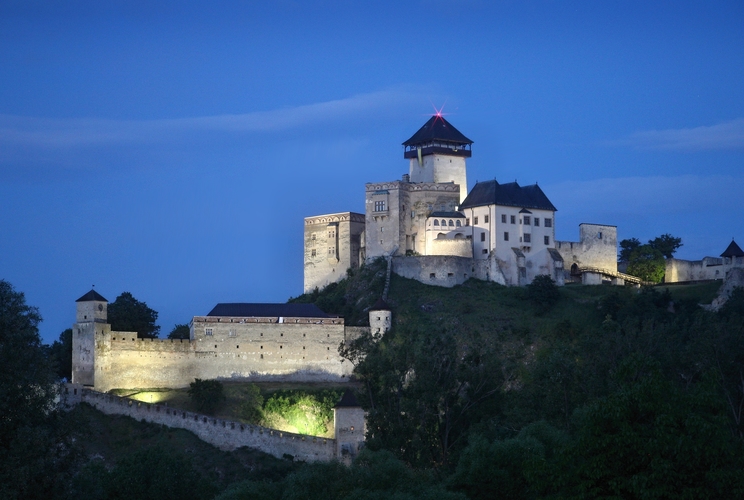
x: 348, y: 400
x: 454, y: 215
x: 509, y: 195
x: 733, y: 250
x: 437, y: 129
x: 90, y: 296
x: 248, y: 310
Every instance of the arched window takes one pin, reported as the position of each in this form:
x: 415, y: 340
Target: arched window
x: 459, y: 236
x: 441, y: 236
x: 574, y: 270
x: 444, y: 222
x: 451, y: 223
x: 458, y: 223
x: 436, y: 222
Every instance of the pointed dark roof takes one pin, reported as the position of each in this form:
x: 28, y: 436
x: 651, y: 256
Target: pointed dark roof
x: 380, y: 305
x: 509, y: 195
x: 90, y: 296
x: 733, y: 250
x: 248, y: 310
x: 437, y: 129
x: 348, y: 400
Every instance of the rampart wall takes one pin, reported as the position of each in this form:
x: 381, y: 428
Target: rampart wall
x: 709, y: 268
x: 224, y: 434
x: 281, y: 349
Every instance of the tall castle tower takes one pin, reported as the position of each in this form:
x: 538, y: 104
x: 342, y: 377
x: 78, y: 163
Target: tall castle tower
x: 437, y: 153
x: 90, y: 322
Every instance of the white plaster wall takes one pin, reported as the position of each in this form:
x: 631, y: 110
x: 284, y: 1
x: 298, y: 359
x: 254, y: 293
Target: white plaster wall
x: 678, y: 270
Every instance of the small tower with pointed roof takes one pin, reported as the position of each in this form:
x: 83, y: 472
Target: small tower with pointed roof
x: 437, y: 153
x: 90, y: 321
x: 733, y: 256
x: 380, y: 318
x: 349, y: 426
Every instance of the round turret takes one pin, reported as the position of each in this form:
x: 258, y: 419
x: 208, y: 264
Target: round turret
x: 380, y: 318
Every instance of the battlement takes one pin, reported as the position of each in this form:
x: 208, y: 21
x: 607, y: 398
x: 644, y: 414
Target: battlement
x: 331, y: 218
x: 225, y: 434
x: 273, y: 319
x: 413, y: 186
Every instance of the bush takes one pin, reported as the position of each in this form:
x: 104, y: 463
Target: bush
x: 543, y: 292
x: 207, y: 395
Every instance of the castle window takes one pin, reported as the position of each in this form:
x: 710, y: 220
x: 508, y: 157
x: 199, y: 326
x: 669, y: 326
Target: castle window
x: 527, y: 220
x: 436, y: 222
x: 237, y: 347
x: 215, y: 346
x: 467, y: 221
x: 312, y: 237
x: 451, y: 223
x: 547, y: 240
x: 503, y: 218
x: 379, y: 206
x: 281, y: 347
x: 513, y: 219
x: 303, y: 348
x: 485, y: 219
x: 528, y: 238
x: 475, y: 221
x: 457, y: 223
x: 261, y: 356
x: 261, y: 347
x: 485, y: 251
x: 432, y: 275
x: 483, y: 236
x: 303, y: 334
x: 208, y: 331
x: 506, y: 236
x: 328, y: 348
x: 312, y: 253
x: 548, y: 222
x: 537, y: 221
x: 444, y: 222
x: 599, y: 235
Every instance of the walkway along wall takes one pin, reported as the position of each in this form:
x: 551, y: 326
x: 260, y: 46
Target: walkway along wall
x: 226, y: 434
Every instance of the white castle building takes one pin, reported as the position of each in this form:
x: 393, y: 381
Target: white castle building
x: 438, y: 233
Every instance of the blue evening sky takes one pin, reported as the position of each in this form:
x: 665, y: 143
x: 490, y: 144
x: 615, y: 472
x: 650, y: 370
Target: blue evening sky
x: 172, y: 149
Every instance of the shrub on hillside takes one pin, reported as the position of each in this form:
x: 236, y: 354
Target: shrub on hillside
x: 207, y: 395
x: 543, y: 292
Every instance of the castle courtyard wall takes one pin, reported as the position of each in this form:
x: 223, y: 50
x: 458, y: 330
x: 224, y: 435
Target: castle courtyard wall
x: 678, y: 270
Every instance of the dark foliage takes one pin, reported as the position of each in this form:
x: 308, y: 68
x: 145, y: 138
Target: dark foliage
x: 180, y: 332
x: 60, y: 353
x: 127, y: 314
x: 207, y: 395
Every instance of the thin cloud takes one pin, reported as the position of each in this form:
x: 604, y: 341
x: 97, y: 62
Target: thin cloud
x: 726, y: 135
x: 637, y: 196
x: 70, y: 133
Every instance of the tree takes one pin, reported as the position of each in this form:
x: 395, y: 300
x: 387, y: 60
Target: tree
x: 34, y: 450
x: 207, y: 395
x: 61, y: 355
x: 127, y: 314
x: 180, y: 331
x: 647, y: 263
x: 543, y: 292
x: 627, y: 247
x: 666, y: 244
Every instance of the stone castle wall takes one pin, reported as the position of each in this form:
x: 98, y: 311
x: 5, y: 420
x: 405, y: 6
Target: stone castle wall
x: 596, y: 248
x: 710, y: 268
x: 333, y: 244
x: 225, y: 434
x: 281, y: 349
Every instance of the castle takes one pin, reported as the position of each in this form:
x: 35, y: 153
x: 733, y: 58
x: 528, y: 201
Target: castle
x: 282, y: 342
x: 436, y: 232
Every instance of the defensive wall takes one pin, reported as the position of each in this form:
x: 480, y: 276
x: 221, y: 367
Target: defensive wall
x: 446, y: 270
x: 229, y: 435
x: 596, y: 248
x: 678, y: 270
x: 280, y: 349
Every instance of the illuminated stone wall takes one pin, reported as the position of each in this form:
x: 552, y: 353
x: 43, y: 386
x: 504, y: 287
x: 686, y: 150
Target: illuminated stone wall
x: 710, y: 268
x: 280, y: 349
x: 596, y: 248
x: 333, y: 244
x: 225, y: 434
